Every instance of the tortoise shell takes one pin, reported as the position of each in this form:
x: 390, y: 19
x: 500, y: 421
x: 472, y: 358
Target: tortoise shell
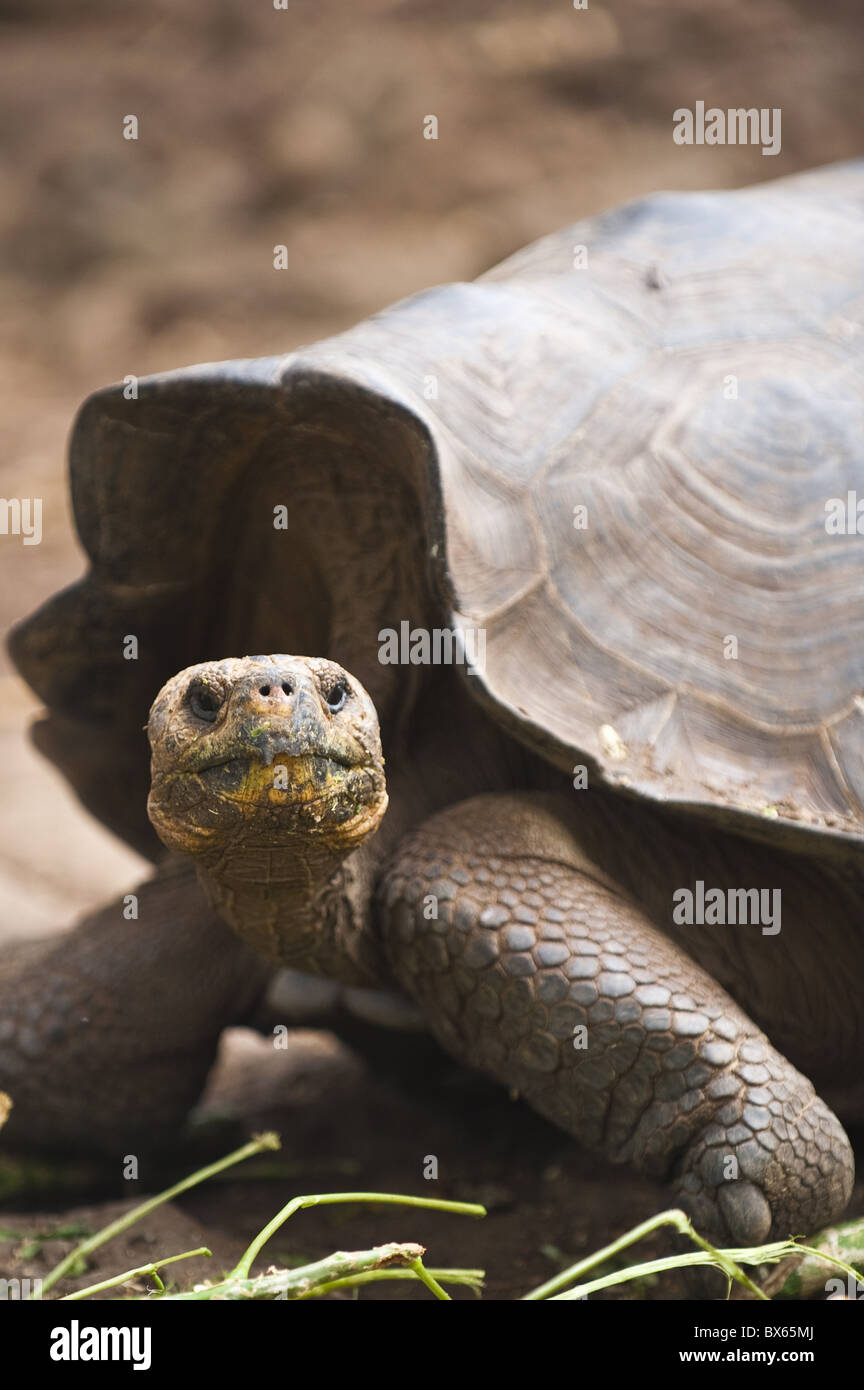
x: 631, y: 457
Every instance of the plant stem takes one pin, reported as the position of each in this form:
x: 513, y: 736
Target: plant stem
x: 674, y: 1217
x: 242, y: 1268
x: 255, y: 1146
x: 467, y: 1278
x: 342, y: 1269
x: 132, y: 1273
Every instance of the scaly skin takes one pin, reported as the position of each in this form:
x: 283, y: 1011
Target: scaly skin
x: 269, y: 793
x: 531, y: 944
x: 531, y: 954
x: 108, y: 1031
x: 268, y: 775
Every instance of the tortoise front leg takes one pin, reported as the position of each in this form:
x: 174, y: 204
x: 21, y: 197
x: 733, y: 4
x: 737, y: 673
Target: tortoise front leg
x: 532, y: 968
x: 108, y: 1030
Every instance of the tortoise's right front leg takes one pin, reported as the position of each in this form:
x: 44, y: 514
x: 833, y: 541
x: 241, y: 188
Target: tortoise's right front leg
x: 108, y: 1031
x: 531, y: 966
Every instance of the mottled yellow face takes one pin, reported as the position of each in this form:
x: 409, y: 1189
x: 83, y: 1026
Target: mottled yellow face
x: 258, y: 750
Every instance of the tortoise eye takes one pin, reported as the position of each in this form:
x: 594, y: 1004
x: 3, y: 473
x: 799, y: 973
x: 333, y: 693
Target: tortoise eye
x: 336, y: 696
x: 205, y: 701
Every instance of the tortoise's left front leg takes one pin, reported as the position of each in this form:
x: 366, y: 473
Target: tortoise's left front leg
x: 529, y: 964
x: 108, y: 1030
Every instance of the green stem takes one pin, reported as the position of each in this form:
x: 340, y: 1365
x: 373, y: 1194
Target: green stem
x: 133, y: 1273
x: 673, y: 1217
x: 468, y: 1278
x: 242, y: 1268
x: 694, y: 1259
x: 342, y: 1269
x: 841, y: 1246
x: 831, y: 1259
x: 425, y: 1276
x: 257, y: 1145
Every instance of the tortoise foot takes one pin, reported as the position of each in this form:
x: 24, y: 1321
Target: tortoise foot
x: 533, y: 969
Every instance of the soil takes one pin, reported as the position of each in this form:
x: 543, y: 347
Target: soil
x: 303, y: 127
x: 345, y: 1128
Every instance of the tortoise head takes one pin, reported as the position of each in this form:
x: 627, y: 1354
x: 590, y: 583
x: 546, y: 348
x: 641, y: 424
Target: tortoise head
x: 258, y: 750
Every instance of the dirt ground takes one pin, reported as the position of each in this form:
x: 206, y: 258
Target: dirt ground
x: 303, y: 126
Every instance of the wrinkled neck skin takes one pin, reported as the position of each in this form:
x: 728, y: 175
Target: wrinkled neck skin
x: 300, y: 904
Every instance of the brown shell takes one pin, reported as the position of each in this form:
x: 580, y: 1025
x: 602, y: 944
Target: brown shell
x: 621, y: 454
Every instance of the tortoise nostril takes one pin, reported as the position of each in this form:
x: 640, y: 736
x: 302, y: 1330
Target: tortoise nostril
x: 275, y: 692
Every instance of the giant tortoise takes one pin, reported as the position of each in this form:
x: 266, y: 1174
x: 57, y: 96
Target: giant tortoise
x: 581, y: 540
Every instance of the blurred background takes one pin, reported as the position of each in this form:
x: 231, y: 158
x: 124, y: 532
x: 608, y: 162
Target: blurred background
x: 303, y: 126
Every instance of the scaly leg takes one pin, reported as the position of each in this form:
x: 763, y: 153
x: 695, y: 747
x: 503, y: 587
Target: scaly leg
x: 107, y: 1031
x: 537, y: 970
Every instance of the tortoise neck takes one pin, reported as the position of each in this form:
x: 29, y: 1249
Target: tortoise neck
x: 298, y: 905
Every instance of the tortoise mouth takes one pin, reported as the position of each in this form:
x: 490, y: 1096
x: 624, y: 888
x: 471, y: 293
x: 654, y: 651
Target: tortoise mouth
x: 280, y: 777
x: 267, y: 752
x: 275, y: 753
x: 269, y: 794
